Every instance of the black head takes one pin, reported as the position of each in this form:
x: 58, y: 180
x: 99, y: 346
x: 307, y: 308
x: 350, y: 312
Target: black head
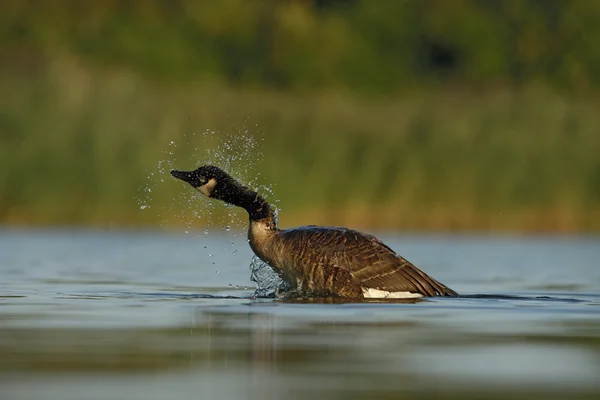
x: 213, y: 182
x: 206, y: 179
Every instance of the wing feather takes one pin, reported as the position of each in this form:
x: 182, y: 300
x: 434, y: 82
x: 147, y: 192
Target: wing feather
x: 370, y: 262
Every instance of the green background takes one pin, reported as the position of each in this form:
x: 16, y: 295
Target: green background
x: 431, y: 114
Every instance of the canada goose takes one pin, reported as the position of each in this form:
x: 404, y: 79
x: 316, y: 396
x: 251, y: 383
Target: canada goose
x: 318, y: 261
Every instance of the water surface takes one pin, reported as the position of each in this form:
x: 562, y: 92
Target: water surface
x: 146, y: 315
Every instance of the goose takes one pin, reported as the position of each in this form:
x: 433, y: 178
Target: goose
x: 317, y: 261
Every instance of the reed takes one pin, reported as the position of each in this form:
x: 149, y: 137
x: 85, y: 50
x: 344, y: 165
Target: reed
x: 78, y: 145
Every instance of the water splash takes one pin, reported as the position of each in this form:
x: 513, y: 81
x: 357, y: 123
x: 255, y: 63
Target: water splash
x: 268, y: 283
x: 238, y: 152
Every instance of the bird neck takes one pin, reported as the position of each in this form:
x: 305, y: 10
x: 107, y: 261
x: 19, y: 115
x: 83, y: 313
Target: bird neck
x: 260, y: 210
x: 257, y: 207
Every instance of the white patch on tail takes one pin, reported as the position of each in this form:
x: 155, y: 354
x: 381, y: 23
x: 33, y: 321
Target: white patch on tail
x: 370, y: 293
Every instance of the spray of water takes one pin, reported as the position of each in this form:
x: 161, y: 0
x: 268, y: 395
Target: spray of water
x: 268, y: 283
x: 238, y: 152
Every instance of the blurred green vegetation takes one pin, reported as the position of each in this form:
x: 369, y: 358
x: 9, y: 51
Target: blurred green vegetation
x: 372, y: 46
x: 416, y: 114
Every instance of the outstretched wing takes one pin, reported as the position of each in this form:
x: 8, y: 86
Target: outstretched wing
x: 369, y: 261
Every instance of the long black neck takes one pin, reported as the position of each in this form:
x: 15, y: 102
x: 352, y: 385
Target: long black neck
x: 258, y: 209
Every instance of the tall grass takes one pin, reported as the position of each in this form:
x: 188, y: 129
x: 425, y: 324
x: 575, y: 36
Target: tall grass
x: 77, y: 144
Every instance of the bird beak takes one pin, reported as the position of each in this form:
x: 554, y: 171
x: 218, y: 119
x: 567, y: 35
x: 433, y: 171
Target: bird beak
x: 183, y: 175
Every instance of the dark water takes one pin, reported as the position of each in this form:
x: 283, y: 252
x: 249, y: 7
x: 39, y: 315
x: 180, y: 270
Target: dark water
x: 133, y: 315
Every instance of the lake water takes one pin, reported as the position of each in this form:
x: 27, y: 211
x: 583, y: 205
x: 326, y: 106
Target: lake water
x: 153, y: 315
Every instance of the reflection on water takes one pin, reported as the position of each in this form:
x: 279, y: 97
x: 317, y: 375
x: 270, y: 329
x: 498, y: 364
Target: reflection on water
x: 114, y: 316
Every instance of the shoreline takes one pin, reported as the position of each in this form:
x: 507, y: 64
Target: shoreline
x: 533, y: 222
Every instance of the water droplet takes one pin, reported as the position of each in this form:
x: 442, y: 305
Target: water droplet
x: 228, y: 228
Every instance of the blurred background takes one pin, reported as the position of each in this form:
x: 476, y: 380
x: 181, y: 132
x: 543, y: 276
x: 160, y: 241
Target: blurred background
x: 430, y: 122
x: 435, y: 115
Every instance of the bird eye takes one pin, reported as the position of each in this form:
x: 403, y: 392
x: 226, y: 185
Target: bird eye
x: 203, y: 180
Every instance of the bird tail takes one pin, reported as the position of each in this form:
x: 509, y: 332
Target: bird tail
x: 429, y: 286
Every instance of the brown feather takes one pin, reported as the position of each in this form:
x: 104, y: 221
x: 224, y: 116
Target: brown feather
x: 369, y: 262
